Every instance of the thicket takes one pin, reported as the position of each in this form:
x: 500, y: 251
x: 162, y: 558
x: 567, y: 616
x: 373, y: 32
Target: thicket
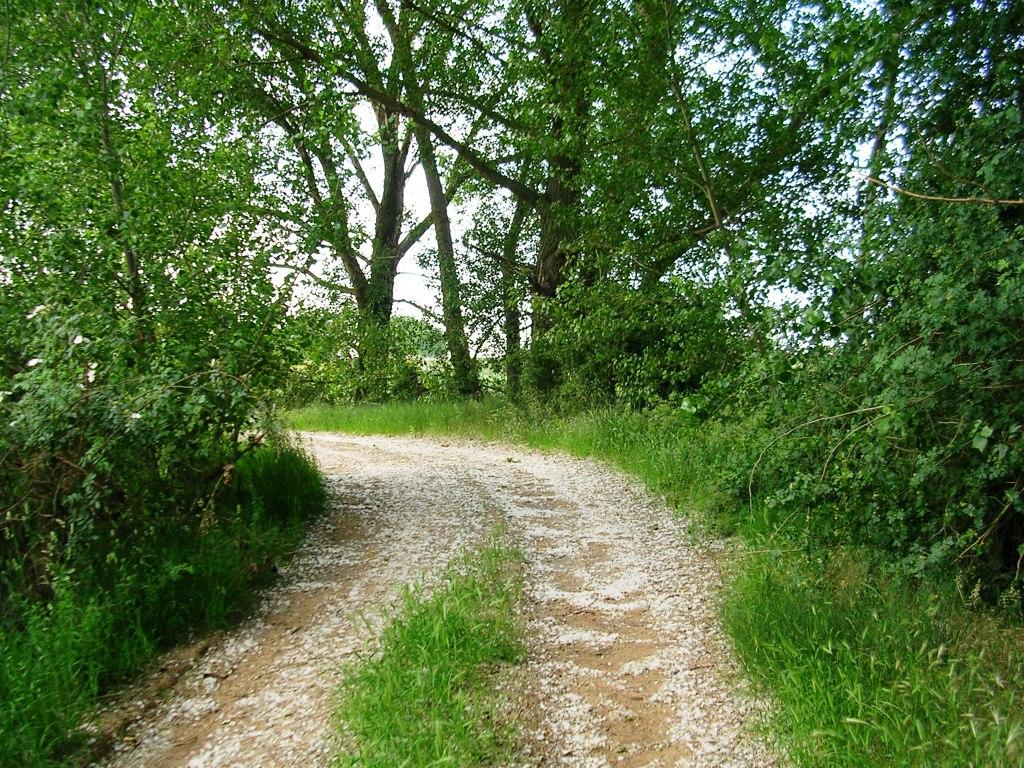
x: 899, y: 430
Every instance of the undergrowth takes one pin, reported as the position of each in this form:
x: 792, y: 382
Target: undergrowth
x: 102, y: 626
x: 865, y: 666
x: 424, y: 697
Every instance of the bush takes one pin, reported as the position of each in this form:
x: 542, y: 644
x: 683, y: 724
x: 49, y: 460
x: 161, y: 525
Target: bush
x: 345, y: 359
x: 614, y: 344
x: 904, y: 437
x: 106, y: 620
x: 101, y: 439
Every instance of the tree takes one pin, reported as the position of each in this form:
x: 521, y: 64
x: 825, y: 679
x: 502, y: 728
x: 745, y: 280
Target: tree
x: 467, y: 383
x: 499, y: 242
x: 139, y: 314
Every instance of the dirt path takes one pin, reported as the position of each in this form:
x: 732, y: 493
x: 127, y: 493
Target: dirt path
x: 626, y: 665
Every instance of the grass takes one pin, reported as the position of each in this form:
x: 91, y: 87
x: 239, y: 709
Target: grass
x: 424, y: 698
x: 462, y: 418
x: 868, y: 670
x: 58, y: 660
x: 865, y: 668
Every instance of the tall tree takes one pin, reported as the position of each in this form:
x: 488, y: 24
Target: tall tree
x: 291, y: 56
x: 414, y: 74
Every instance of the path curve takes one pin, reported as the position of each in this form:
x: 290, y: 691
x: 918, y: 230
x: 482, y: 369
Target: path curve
x: 627, y: 665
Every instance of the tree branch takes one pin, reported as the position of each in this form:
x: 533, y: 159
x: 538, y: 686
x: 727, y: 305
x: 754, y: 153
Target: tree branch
x: 427, y: 312
x: 364, y: 180
x: 321, y: 281
x: 393, y: 104
x: 941, y: 198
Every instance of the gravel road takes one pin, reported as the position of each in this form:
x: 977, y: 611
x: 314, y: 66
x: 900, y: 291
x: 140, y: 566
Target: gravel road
x: 627, y: 665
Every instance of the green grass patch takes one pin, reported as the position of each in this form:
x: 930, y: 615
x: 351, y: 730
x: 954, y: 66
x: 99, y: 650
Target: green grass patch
x: 100, y: 629
x: 870, y: 670
x: 475, y: 419
x: 423, y: 698
x: 865, y: 667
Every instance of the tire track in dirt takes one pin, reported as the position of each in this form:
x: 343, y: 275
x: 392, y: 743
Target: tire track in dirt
x: 261, y: 696
x: 626, y: 667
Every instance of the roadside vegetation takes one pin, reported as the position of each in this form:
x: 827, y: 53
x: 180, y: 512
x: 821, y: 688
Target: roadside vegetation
x: 110, y: 612
x: 425, y: 695
x: 144, y: 494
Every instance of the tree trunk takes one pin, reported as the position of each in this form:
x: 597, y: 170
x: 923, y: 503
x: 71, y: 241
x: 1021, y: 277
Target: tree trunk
x: 467, y: 383
x: 132, y: 267
x: 512, y: 319
x: 567, y: 63
x: 375, y: 347
x: 388, y: 229
x: 570, y: 109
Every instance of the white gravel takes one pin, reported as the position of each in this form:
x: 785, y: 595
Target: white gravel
x: 627, y: 665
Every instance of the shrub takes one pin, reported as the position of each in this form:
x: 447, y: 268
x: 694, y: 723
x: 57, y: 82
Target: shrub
x: 106, y: 619
x: 612, y: 343
x: 345, y: 359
